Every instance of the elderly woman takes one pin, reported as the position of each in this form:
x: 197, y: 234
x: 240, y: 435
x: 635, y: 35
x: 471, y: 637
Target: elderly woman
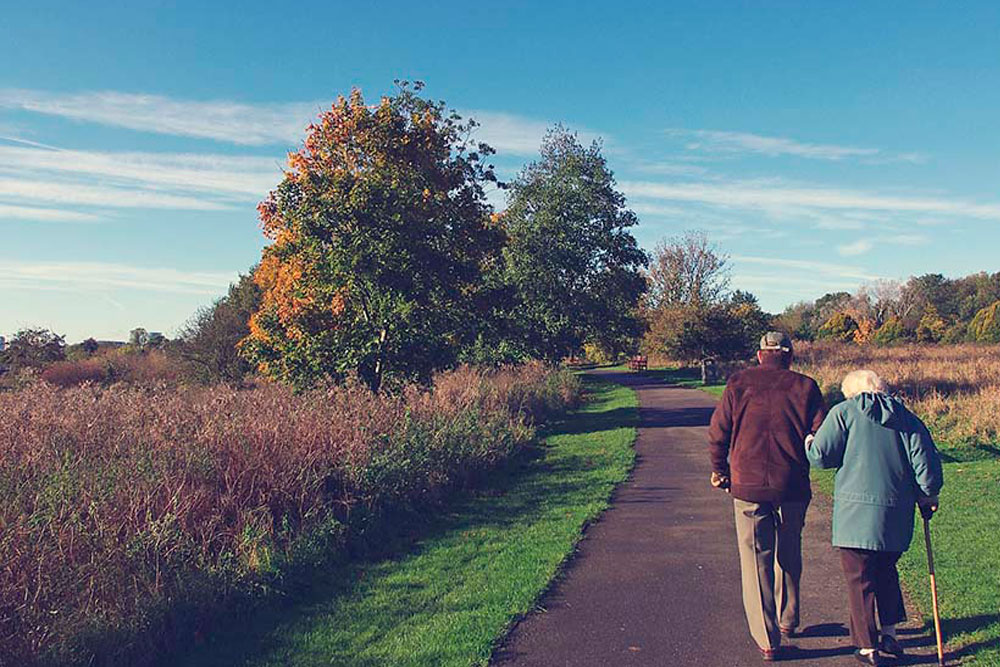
x: 886, y: 462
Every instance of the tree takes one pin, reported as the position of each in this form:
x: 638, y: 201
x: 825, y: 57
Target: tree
x: 985, y: 326
x: 33, y: 348
x: 687, y: 270
x: 572, y: 262
x: 90, y: 346
x: 932, y: 289
x: 797, y: 321
x: 138, y: 338
x: 891, y: 332
x: 210, y: 340
x: 751, y: 319
x: 932, y: 327
x: 840, y: 327
x: 829, y: 304
x: 700, y: 334
x: 380, y: 234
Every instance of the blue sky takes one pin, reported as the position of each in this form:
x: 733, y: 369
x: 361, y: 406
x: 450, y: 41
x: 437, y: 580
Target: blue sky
x: 822, y: 145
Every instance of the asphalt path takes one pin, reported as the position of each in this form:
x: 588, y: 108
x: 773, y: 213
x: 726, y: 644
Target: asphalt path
x: 656, y: 580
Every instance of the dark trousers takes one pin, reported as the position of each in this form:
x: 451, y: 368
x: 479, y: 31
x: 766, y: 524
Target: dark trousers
x: 872, y: 578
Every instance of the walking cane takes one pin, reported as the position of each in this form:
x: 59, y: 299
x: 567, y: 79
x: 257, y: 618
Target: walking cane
x: 934, y: 598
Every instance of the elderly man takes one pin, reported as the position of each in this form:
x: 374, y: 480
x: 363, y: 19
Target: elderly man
x: 757, y: 438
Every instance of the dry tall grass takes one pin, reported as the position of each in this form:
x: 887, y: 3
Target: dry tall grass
x: 124, y: 511
x: 954, y: 388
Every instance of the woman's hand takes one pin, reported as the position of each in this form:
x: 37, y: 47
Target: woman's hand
x: 928, y: 505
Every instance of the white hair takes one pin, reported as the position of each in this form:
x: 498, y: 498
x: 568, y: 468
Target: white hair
x: 859, y: 382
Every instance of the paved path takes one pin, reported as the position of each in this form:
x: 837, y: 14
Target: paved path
x: 656, y: 580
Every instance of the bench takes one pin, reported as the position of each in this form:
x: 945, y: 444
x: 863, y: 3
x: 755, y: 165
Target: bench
x: 638, y: 363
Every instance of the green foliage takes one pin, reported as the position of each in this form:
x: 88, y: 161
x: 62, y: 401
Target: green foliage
x: 138, y: 338
x: 840, y: 327
x: 90, y: 346
x: 570, y: 259
x: 932, y: 327
x: 956, y: 333
x: 209, y: 342
x: 381, y: 238
x: 797, y: 321
x: 33, y: 348
x: 985, y: 326
x: 704, y: 334
x: 891, y: 332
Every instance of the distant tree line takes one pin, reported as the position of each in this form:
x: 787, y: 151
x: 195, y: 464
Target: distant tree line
x: 930, y: 308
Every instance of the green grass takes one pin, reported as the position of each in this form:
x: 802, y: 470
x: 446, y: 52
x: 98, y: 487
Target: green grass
x: 965, y: 534
x: 447, y: 588
x: 681, y: 377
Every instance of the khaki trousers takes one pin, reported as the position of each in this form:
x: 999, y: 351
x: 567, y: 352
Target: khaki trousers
x: 770, y: 544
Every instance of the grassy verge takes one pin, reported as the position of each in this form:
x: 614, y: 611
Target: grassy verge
x: 681, y: 377
x: 966, y: 559
x: 443, y: 590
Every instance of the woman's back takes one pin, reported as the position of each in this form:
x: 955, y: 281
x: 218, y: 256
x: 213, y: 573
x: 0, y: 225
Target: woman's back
x: 884, y: 457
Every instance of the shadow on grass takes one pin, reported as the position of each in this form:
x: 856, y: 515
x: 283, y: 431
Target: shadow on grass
x: 518, y: 493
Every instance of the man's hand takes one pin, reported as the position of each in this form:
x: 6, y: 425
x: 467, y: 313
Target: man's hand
x: 720, y: 481
x: 928, y: 505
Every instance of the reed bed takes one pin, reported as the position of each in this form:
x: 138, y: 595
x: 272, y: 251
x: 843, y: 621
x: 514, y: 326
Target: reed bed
x: 129, y: 513
x: 954, y: 388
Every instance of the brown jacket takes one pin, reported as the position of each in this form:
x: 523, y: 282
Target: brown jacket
x: 758, y: 430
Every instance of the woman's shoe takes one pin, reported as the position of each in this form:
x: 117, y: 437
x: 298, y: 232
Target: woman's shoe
x: 872, y: 658
x: 890, y: 645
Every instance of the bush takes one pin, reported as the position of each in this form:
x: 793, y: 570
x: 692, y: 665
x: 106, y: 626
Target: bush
x: 985, y: 326
x: 840, y: 327
x: 123, y: 365
x: 891, y: 332
x: 130, y: 514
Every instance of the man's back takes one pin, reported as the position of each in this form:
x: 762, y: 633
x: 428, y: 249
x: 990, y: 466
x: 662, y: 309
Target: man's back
x: 758, y: 431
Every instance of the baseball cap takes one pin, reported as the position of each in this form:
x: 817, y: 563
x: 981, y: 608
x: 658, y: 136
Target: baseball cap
x: 776, y: 340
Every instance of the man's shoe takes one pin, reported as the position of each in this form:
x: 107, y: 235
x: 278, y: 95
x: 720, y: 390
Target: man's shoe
x: 770, y: 654
x: 868, y: 658
x: 787, y: 632
x: 890, y: 645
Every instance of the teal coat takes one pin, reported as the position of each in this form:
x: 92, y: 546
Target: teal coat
x: 885, y: 458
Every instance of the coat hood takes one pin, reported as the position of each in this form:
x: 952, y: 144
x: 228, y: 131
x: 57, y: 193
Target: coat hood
x: 881, y: 409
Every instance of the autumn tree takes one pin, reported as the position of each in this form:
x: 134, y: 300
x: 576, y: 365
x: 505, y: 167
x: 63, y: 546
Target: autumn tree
x: 380, y: 232
x: 687, y: 270
x: 691, y: 314
x: 571, y: 260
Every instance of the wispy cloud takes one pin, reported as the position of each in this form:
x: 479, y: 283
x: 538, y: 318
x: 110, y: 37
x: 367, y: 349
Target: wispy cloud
x: 222, y: 120
x: 815, y: 268
x: 859, y: 247
x: 733, y: 143
x: 80, y: 276
x: 519, y: 135
x: 242, y: 123
x: 247, y: 177
x: 22, y: 190
x: 8, y: 212
x: 774, y: 196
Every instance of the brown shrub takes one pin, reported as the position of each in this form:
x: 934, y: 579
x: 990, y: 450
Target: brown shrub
x: 121, y: 505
